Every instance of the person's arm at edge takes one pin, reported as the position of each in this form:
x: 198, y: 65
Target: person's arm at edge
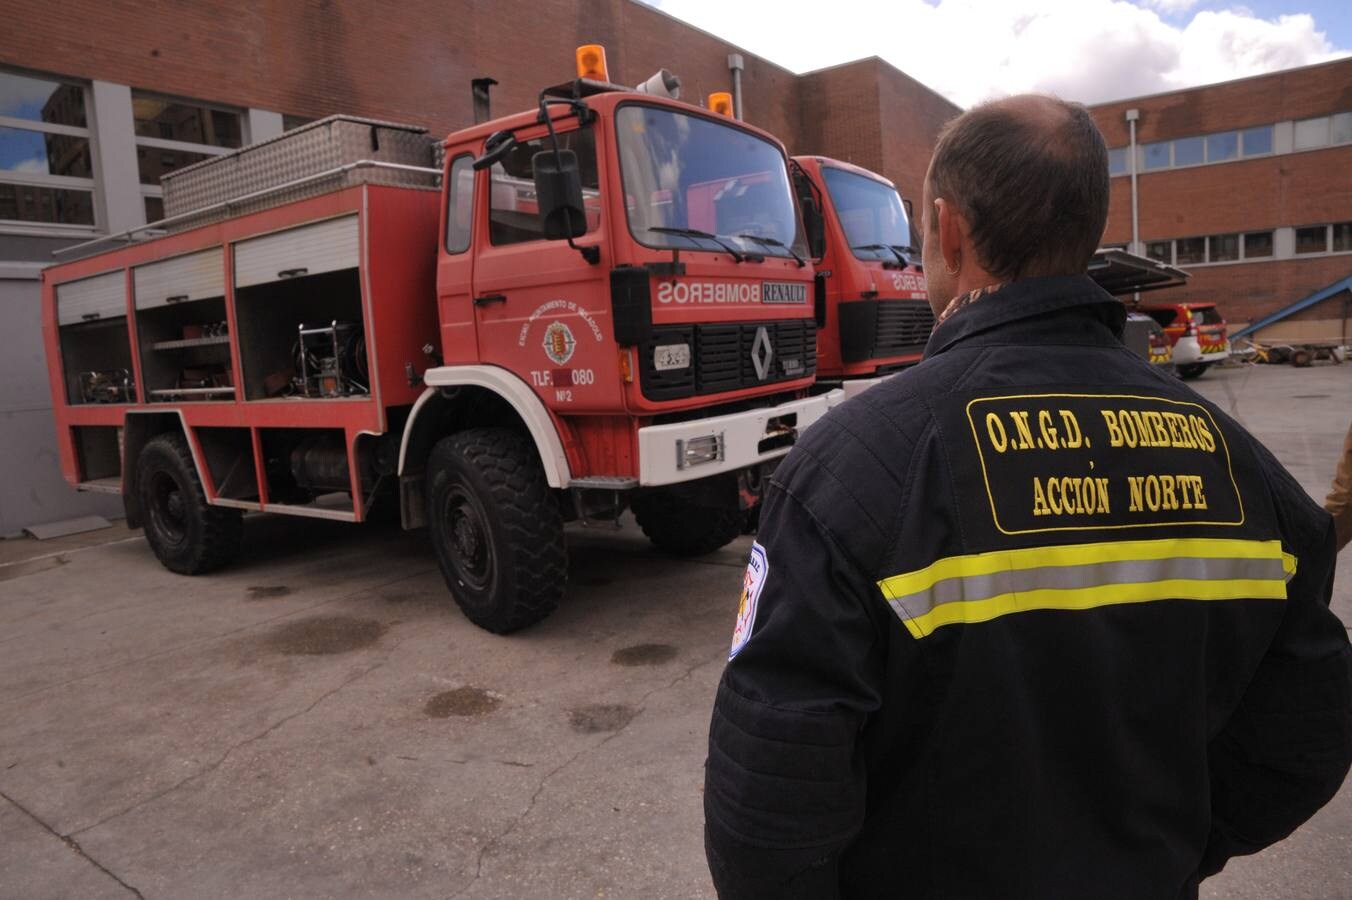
x: 1339, y: 501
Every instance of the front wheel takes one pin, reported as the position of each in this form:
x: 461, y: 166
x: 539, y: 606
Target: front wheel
x: 496, y: 528
x: 188, y: 535
x: 1191, y: 371
x: 686, y: 523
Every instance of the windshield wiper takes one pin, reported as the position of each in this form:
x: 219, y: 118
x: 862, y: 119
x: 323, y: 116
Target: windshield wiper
x: 907, y: 252
x: 887, y: 248
x: 771, y: 242
x: 696, y: 233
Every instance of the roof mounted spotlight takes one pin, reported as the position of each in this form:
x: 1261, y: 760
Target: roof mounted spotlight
x: 662, y: 84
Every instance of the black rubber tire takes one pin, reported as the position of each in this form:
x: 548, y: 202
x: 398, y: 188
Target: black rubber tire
x: 496, y: 528
x: 1191, y: 371
x: 677, y: 526
x: 188, y: 535
x: 1301, y: 358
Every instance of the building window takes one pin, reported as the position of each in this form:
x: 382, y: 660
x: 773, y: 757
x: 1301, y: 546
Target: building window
x: 1342, y: 237
x: 289, y: 121
x: 1189, y: 151
x: 172, y: 133
x: 1156, y: 155
x: 1160, y: 250
x: 1222, y: 248
x: 1312, y: 133
x: 1257, y: 244
x: 1117, y: 161
x: 1257, y: 141
x: 1220, y: 147
x: 1312, y: 239
x: 46, y: 169
x: 1189, y: 251
x: 1340, y: 128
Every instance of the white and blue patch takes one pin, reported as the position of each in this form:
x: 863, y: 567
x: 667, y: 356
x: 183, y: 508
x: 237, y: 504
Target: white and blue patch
x: 757, y: 570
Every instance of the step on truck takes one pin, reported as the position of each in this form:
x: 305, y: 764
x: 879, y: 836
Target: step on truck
x: 869, y: 297
x: 598, y: 304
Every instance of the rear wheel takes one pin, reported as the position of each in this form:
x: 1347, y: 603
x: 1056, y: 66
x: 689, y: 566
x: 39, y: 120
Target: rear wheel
x: 188, y: 535
x: 1191, y: 371
x: 496, y: 528
x: 687, y: 524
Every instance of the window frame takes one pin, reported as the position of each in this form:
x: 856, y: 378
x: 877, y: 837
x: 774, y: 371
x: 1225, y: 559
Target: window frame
x: 450, y: 196
x: 1244, y: 244
x: 1326, y: 137
x: 47, y: 180
x: 1296, y: 251
x: 153, y: 143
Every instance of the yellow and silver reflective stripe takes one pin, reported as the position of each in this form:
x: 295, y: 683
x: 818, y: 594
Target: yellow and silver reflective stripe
x: 984, y: 586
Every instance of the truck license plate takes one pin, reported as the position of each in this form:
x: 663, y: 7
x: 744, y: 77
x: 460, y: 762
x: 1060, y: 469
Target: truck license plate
x: 671, y: 356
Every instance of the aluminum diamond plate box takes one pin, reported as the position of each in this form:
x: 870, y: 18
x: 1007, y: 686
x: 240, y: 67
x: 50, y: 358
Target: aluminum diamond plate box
x: 299, y: 154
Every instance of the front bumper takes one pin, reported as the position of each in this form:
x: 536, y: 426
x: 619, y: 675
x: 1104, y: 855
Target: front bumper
x: 728, y: 443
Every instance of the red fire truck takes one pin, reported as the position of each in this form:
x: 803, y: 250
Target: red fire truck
x: 598, y: 303
x: 870, y: 299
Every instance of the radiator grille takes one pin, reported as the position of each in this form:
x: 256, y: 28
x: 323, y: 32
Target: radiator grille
x: 723, y: 357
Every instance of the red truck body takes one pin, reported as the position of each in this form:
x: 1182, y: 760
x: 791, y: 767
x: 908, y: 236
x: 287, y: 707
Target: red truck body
x: 464, y: 360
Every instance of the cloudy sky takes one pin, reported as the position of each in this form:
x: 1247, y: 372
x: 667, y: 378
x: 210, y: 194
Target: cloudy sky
x: 1086, y: 50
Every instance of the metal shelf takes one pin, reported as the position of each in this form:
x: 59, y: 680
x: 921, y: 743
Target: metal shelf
x: 191, y: 342
x: 191, y: 392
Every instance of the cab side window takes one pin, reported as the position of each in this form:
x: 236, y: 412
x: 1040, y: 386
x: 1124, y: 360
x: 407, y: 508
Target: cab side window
x: 459, y: 204
x: 513, y: 213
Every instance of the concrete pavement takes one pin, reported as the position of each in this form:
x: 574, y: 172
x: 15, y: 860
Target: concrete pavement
x: 319, y: 719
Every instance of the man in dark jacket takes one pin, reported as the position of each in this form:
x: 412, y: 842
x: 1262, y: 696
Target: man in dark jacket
x: 1029, y: 619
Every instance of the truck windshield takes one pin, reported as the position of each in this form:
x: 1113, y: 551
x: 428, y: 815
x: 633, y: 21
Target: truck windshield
x: 694, y: 184
x: 870, y: 212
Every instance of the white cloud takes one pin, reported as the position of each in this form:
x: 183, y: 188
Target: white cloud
x: 1087, y: 50
x: 1170, y: 7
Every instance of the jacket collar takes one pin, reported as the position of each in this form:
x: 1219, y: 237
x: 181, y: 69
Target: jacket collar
x: 1026, y: 299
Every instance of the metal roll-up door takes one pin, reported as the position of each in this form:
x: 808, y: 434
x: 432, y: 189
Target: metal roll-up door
x: 308, y: 250
x: 100, y: 297
x: 195, y: 276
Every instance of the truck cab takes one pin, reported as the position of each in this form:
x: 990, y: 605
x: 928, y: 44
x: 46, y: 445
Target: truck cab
x: 870, y: 301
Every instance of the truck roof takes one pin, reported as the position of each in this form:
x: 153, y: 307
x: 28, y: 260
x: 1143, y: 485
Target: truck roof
x: 831, y: 163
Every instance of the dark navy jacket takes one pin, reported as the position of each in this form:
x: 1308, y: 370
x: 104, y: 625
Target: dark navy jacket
x: 1027, y: 620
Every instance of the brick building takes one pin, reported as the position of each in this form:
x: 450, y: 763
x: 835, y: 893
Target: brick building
x: 1248, y: 186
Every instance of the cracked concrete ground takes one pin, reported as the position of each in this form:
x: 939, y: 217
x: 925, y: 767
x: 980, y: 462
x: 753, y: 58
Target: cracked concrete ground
x: 319, y: 720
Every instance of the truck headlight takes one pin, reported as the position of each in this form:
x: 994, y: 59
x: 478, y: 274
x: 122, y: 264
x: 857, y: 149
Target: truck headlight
x: 694, y: 451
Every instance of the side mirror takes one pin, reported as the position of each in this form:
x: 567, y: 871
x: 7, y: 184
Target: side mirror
x: 558, y: 191
x: 814, y: 224
x: 498, y: 145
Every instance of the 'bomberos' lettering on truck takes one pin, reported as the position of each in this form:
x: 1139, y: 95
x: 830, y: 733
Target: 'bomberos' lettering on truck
x: 603, y: 306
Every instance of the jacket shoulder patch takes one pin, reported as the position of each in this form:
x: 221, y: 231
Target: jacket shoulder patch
x: 757, y: 569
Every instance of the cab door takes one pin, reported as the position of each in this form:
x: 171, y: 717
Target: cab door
x: 540, y: 308
x: 455, y: 263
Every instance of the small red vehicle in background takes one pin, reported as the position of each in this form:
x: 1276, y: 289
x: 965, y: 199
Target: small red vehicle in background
x: 1197, y: 331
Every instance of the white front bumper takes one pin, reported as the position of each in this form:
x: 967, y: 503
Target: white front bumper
x: 660, y: 447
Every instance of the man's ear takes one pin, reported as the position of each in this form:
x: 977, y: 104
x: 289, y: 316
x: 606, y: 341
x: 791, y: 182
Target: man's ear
x: 950, y: 228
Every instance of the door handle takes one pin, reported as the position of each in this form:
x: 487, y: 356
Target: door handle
x: 490, y: 298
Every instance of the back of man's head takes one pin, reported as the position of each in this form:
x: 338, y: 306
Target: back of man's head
x: 1030, y: 175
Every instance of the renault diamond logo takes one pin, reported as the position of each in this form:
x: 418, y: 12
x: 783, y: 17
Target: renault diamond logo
x: 762, y: 354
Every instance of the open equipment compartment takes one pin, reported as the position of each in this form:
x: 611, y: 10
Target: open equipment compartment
x: 181, y: 328
x: 91, y: 318
x: 298, y: 302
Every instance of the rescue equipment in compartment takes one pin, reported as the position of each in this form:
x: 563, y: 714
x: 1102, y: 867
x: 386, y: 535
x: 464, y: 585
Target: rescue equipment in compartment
x: 331, y: 360
x: 110, y: 386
